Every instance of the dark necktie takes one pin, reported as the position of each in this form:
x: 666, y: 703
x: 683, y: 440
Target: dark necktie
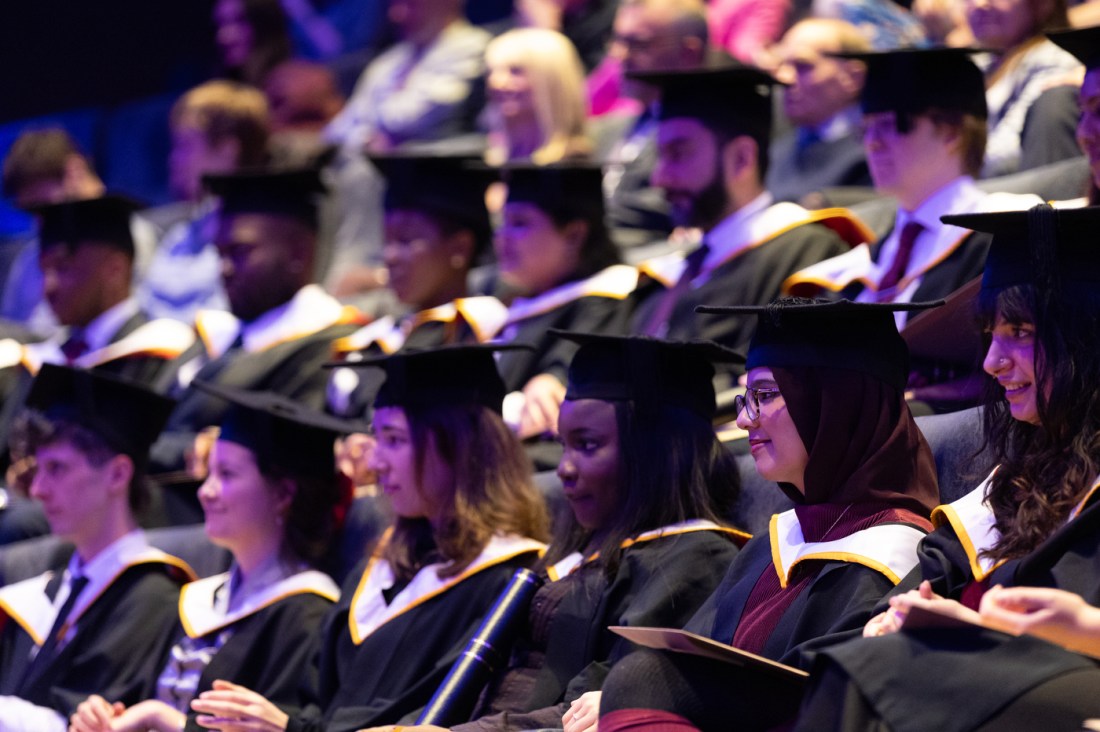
x: 60, y: 628
x: 658, y: 323
x: 74, y: 347
x: 908, y: 238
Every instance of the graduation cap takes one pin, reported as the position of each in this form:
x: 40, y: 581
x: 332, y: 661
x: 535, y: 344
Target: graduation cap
x: 128, y: 417
x: 842, y: 334
x: 571, y: 190
x: 1084, y: 43
x: 731, y: 99
x: 294, y: 193
x: 450, y: 375
x: 448, y: 186
x: 914, y: 80
x: 641, y: 369
x: 104, y: 220
x: 1028, y: 245
x: 280, y: 431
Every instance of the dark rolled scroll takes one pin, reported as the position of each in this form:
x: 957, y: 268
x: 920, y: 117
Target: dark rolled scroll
x: 454, y: 700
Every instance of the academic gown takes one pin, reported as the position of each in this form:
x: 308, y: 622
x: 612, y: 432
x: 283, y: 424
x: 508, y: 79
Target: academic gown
x: 999, y: 669
x: 269, y: 651
x: 836, y: 604
x: 594, y: 305
x: 396, y: 667
x: 117, y: 647
x: 754, y: 277
x: 661, y: 580
x: 285, y: 358
x: 963, y: 264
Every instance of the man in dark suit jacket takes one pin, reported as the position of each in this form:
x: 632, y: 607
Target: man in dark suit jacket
x: 821, y: 100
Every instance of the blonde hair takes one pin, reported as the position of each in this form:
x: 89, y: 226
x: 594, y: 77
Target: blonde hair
x: 556, y: 75
x: 227, y: 109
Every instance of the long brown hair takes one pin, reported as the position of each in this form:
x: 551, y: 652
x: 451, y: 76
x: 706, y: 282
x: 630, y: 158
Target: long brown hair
x: 492, y: 492
x: 1046, y: 469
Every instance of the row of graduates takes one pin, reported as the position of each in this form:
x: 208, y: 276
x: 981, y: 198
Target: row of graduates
x: 555, y: 263
x: 647, y: 484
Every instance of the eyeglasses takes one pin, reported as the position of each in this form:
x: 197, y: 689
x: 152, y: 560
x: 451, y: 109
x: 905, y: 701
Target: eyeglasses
x: 750, y: 401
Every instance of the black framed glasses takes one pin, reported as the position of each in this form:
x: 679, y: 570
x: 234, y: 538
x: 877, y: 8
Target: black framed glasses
x: 753, y: 397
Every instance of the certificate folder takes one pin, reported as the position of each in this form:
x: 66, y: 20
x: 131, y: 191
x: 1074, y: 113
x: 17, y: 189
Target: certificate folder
x: 681, y: 641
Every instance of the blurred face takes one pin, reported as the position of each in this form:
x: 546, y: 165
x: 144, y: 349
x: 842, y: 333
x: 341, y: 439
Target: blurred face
x: 589, y: 467
x: 533, y: 253
x: 644, y: 41
x: 262, y: 259
x: 1011, y: 361
x: 1088, y: 128
x: 1001, y: 24
x: 74, y: 492
x: 233, y: 34
x: 819, y: 86
x: 243, y: 510
x: 192, y: 156
x: 510, y: 92
x: 74, y: 281
x: 910, y: 165
x: 394, y: 461
x: 689, y: 170
x: 777, y: 449
x: 422, y: 271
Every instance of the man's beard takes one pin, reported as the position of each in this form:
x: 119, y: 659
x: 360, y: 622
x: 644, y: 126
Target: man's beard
x: 706, y: 208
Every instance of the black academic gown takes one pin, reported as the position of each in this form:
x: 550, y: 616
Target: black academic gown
x: 752, y: 278
x: 397, y: 668
x: 963, y: 264
x: 836, y: 604
x: 902, y: 676
x: 551, y: 355
x: 270, y: 652
x: 291, y: 368
x: 119, y: 642
x: 659, y: 583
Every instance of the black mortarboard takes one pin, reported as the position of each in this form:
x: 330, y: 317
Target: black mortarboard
x: 1084, y: 43
x: 447, y: 186
x: 1024, y: 240
x: 731, y: 99
x: 842, y: 334
x: 293, y: 193
x: 451, y: 375
x: 279, y: 431
x: 105, y: 220
x: 570, y: 190
x: 645, y: 370
x: 128, y: 417
x: 914, y: 80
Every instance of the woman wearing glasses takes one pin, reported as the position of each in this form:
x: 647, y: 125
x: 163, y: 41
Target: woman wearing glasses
x: 827, y: 421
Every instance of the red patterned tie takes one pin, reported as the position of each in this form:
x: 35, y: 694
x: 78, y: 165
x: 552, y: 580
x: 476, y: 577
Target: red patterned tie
x: 908, y: 238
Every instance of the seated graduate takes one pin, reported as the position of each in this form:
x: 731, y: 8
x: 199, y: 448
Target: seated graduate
x: 98, y: 624
x: 557, y: 268
x: 827, y: 420
x: 646, y: 481
x: 281, y: 327
x: 86, y: 254
x: 270, y: 499
x: 1084, y: 44
x: 436, y: 228
x: 468, y: 516
x: 1032, y: 522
